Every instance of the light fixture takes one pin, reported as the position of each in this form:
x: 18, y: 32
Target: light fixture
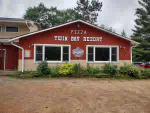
x: 122, y: 47
x: 78, y: 25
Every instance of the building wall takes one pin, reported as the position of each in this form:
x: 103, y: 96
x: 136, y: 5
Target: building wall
x: 23, y: 29
x: 11, y: 57
x: 47, y: 37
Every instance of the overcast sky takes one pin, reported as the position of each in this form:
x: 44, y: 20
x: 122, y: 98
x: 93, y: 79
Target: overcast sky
x: 119, y: 14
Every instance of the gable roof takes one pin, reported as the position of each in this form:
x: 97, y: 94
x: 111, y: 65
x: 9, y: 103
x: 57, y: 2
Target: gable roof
x: 115, y: 34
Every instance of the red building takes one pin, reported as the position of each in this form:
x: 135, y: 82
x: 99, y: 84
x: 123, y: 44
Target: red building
x: 74, y: 42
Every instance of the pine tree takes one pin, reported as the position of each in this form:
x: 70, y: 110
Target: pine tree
x: 142, y: 32
x: 123, y: 33
x: 89, y: 10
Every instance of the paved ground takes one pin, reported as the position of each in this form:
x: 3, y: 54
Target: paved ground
x: 74, y: 96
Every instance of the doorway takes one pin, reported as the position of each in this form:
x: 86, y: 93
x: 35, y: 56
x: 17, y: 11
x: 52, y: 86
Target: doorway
x: 2, y: 59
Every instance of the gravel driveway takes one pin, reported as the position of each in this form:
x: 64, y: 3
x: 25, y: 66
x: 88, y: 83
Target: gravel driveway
x: 74, y: 96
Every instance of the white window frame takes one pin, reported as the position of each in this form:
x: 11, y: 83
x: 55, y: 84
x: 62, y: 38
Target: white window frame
x: 51, y: 45
x: 11, y: 26
x: 102, y: 46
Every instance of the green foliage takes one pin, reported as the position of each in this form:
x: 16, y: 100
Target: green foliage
x: 92, y: 70
x: 102, y: 75
x: 55, y: 71
x: 108, y: 28
x: 66, y: 69
x: 131, y: 70
x: 43, y: 69
x: 141, y: 32
x: 77, y: 70
x: 110, y: 69
x: 35, y: 74
x: 123, y: 33
x: 89, y: 10
x: 121, y: 76
x: 49, y: 17
x: 145, y: 72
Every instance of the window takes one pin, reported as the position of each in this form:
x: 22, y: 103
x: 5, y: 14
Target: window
x: 0, y: 28
x: 114, y: 54
x: 90, y: 54
x: 102, y: 54
x: 52, y: 53
x: 39, y: 53
x: 11, y: 29
x: 65, y: 54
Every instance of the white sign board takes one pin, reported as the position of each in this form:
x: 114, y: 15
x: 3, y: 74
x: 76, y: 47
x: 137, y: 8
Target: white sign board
x: 27, y: 53
x: 78, y: 52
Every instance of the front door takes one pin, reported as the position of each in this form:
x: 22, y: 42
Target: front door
x: 2, y: 59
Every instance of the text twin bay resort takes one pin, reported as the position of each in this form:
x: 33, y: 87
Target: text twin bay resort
x: 78, y: 38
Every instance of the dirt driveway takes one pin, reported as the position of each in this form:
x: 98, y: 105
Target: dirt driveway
x: 74, y: 96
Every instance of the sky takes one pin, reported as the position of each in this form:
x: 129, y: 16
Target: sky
x: 118, y: 14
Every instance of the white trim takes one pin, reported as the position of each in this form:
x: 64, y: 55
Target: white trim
x: 12, y: 26
x: 22, y: 54
x: 102, y: 46
x: 71, y: 23
x: 51, y: 45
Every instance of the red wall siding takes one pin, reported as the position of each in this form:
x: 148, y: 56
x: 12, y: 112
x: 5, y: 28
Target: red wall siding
x: 11, y: 57
x: 47, y: 37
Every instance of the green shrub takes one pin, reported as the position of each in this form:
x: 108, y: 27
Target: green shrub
x: 66, y: 69
x: 92, y: 71
x: 55, y: 72
x: 35, y: 74
x: 145, y: 72
x: 102, y: 75
x: 110, y: 69
x: 77, y: 70
x: 131, y: 70
x: 43, y: 69
x: 121, y: 76
x: 125, y: 69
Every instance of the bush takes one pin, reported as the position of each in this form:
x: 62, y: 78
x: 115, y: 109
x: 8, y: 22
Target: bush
x: 66, y: 69
x: 110, y: 69
x: 55, y: 72
x: 121, y: 76
x: 91, y: 70
x: 131, y: 70
x: 102, y: 75
x: 43, y: 69
x: 145, y: 73
x: 35, y: 74
x: 77, y: 70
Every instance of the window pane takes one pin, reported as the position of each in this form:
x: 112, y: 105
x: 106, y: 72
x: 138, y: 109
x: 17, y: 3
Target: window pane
x: 114, y: 50
x: 65, y: 49
x: 65, y: 57
x: 114, y: 58
x: 90, y: 57
x: 90, y: 49
x: 53, y: 53
x: 102, y: 54
x: 39, y: 49
x: 11, y: 29
x: 39, y: 57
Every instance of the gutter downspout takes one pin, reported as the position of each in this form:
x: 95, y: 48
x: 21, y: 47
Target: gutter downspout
x: 22, y: 54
